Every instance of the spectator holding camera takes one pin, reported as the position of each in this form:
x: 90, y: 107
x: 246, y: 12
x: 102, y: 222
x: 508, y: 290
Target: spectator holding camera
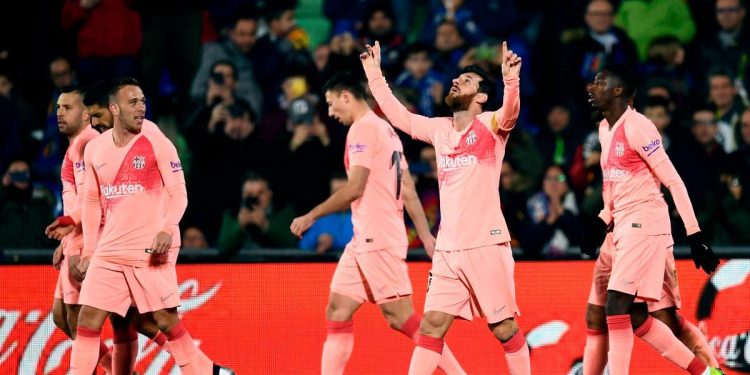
x: 307, y: 151
x: 234, y: 51
x: 22, y: 211
x: 225, y: 146
x: 257, y: 222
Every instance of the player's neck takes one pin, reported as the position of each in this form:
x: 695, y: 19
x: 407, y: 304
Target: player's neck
x: 359, y: 110
x: 462, y: 119
x: 614, y: 113
x: 73, y: 137
x: 121, y: 136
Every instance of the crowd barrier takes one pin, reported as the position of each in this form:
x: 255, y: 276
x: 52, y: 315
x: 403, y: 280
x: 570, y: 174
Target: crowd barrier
x: 268, y: 318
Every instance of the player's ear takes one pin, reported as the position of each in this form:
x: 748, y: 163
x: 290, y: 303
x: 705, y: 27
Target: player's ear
x: 481, y: 98
x: 114, y: 109
x: 617, y: 92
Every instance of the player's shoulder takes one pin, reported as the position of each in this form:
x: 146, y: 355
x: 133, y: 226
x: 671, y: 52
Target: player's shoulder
x: 638, y: 122
x: 99, y: 140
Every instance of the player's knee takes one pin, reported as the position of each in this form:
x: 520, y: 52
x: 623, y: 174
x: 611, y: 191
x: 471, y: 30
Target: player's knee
x: 146, y: 327
x: 89, y: 318
x: 505, y: 329
x: 61, y: 321
x: 434, y: 324
x: 596, y: 317
x: 670, y: 318
x: 618, y: 303
x: 338, y: 313
x: 393, y: 321
x: 166, y: 319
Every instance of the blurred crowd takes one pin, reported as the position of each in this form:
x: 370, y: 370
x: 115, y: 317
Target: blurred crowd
x: 236, y: 85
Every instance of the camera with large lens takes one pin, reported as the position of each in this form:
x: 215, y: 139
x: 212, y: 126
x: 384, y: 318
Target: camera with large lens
x: 218, y: 78
x: 250, y: 202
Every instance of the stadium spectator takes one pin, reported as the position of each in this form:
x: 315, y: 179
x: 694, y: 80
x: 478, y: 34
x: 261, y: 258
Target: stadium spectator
x: 330, y: 232
x: 724, y: 96
x: 419, y: 77
x: 225, y: 146
x: 237, y: 48
x: 551, y: 228
x: 727, y: 47
x: 108, y: 38
x: 586, y: 49
x: 700, y: 160
x: 256, y: 222
x: 25, y: 210
x: 645, y: 20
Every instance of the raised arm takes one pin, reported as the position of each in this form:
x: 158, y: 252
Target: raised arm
x: 504, y: 119
x: 415, y: 125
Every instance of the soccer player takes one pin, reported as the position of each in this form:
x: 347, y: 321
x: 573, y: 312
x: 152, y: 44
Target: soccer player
x: 595, y: 351
x: 136, y: 178
x: 634, y: 165
x: 472, y: 269
x: 71, y: 118
x: 373, y: 266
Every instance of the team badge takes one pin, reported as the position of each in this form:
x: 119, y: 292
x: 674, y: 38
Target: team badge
x: 139, y: 162
x: 619, y: 149
x: 471, y: 138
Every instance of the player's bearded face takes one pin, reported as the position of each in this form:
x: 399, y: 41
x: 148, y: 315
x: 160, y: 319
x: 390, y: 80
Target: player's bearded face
x: 459, y: 102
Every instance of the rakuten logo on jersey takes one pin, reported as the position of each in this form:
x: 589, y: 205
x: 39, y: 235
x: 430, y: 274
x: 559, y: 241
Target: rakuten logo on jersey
x: 613, y: 174
x: 121, y: 190
x: 450, y: 163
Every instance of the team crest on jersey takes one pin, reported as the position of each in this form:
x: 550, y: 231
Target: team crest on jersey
x: 619, y: 149
x: 139, y: 162
x: 471, y: 138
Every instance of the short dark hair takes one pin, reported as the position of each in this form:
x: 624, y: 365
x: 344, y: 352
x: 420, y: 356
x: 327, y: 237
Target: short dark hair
x: 346, y: 81
x: 417, y: 47
x: 275, y: 9
x: 118, y: 84
x: 77, y: 89
x: 227, y: 63
x: 245, y: 12
x: 625, y: 76
x: 97, y: 94
x: 720, y: 71
x: 240, y: 107
x: 486, y: 85
x: 657, y: 101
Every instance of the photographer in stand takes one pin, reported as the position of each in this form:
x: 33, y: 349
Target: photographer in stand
x: 256, y: 222
x: 225, y: 143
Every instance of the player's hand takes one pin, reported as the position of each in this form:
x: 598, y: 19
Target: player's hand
x: 57, y: 257
x: 162, y: 243
x: 301, y: 224
x: 702, y: 254
x: 83, y: 265
x: 593, y: 237
x: 75, y: 272
x: 371, y: 58
x: 511, y: 63
x: 428, y: 241
x: 59, y: 228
